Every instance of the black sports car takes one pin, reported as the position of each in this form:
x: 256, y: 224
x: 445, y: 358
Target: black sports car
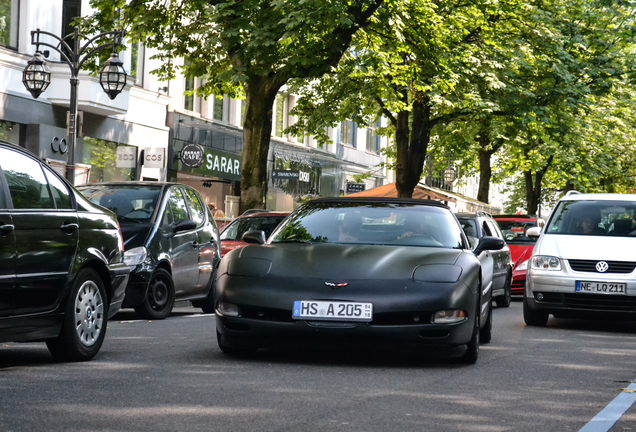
x: 357, y: 271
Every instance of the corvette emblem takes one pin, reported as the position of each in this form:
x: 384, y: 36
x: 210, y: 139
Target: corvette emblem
x: 602, y: 266
x: 336, y: 285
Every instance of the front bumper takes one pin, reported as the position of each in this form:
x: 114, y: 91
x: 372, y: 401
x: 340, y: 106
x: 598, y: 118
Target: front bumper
x: 518, y: 285
x: 137, y: 288
x: 554, y: 292
x: 119, y: 275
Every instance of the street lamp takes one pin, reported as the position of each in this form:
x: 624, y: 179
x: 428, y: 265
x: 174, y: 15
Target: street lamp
x: 449, y: 175
x: 37, y: 76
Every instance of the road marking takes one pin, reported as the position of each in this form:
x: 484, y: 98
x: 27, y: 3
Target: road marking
x: 604, y: 420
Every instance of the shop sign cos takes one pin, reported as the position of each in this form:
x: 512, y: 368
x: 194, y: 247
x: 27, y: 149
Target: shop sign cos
x: 154, y: 157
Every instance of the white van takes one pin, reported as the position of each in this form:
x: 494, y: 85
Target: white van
x: 584, y: 262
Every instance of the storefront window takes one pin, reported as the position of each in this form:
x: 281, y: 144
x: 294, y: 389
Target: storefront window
x: 102, y: 157
x: 9, y: 22
x: 10, y: 132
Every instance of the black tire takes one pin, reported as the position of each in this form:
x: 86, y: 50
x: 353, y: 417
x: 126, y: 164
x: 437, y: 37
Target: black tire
x: 504, y: 300
x: 485, y: 333
x: 160, y: 298
x: 84, y: 322
x: 472, y: 347
x: 231, y: 350
x: 534, y: 318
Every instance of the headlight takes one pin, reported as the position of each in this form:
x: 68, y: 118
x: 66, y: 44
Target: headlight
x: 545, y: 262
x: 227, y: 309
x: 449, y: 316
x: 135, y: 256
x: 522, y: 266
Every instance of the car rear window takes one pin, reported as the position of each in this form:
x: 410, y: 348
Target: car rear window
x: 236, y: 230
x: 515, y: 231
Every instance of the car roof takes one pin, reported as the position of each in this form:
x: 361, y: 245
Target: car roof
x: 599, y: 197
x: 132, y: 183
x: 516, y: 217
x: 385, y: 200
x: 265, y: 214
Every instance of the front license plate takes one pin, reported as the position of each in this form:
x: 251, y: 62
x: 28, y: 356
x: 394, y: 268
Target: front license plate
x: 329, y: 310
x: 601, y: 287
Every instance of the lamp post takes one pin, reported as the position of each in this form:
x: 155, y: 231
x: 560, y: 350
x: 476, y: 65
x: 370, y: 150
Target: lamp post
x: 37, y: 76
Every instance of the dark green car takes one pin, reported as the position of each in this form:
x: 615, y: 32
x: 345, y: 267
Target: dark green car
x: 62, y: 271
x: 171, y: 243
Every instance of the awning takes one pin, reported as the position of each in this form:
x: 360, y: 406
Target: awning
x: 390, y: 191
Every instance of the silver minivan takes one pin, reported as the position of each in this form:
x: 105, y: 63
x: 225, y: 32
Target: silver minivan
x: 584, y: 262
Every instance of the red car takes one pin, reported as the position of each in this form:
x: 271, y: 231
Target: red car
x: 514, y: 228
x: 232, y: 234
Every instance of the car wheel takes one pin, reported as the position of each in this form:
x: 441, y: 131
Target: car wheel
x: 159, y: 300
x: 472, y: 347
x: 534, y: 318
x: 485, y: 334
x: 84, y: 321
x: 504, y: 300
x: 232, y: 350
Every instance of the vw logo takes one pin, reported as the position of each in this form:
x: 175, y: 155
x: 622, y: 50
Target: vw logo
x: 602, y: 266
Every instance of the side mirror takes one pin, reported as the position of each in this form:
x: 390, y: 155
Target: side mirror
x: 254, y: 237
x: 184, y: 225
x: 488, y: 243
x: 533, y: 232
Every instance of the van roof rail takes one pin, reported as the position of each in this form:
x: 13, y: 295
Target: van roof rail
x: 572, y: 192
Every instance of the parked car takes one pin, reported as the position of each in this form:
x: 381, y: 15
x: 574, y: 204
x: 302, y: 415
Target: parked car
x: 350, y: 271
x: 264, y: 220
x: 584, y: 263
x: 514, y: 229
x: 171, y: 244
x: 496, y: 264
x: 62, y: 271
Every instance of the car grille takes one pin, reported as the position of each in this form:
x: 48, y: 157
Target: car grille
x: 380, y: 319
x: 598, y: 302
x: 590, y: 266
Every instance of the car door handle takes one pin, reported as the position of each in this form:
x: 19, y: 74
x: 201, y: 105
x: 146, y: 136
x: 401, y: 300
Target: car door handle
x: 6, y: 229
x: 69, y: 227
x: 195, y: 244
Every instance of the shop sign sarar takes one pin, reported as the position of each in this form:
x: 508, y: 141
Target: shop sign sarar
x: 214, y: 163
x: 192, y: 155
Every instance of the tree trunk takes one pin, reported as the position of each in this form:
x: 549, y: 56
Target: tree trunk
x: 260, y: 94
x: 533, y: 188
x: 486, y: 150
x: 411, y: 148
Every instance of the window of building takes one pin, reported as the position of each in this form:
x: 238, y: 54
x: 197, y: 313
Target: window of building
x: 188, y: 99
x: 347, y: 133
x: 9, y: 22
x: 71, y: 9
x: 137, y: 63
x: 373, y: 140
x: 102, y: 157
x: 217, y: 109
x: 279, y: 124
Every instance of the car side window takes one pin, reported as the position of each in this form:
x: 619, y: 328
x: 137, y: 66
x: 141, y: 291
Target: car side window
x: 61, y: 194
x: 486, y: 229
x: 196, y: 209
x: 27, y: 184
x: 494, y: 229
x: 178, y: 206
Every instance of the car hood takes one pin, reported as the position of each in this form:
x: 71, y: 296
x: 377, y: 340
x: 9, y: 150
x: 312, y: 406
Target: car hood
x: 520, y: 252
x: 588, y: 247
x: 135, y: 235
x: 336, y: 261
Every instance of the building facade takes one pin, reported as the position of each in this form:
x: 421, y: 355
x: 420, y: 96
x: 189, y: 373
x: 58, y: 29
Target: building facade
x: 143, y: 132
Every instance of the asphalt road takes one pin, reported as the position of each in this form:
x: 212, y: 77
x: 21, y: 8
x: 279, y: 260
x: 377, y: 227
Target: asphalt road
x: 170, y: 376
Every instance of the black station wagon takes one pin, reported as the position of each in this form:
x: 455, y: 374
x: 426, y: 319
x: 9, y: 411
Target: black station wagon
x: 62, y: 273
x: 171, y: 243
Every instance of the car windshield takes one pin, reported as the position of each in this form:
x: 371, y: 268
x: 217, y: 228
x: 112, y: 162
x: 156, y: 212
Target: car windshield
x: 514, y: 231
x: 240, y: 226
x: 594, y: 218
x: 132, y: 203
x: 371, y: 223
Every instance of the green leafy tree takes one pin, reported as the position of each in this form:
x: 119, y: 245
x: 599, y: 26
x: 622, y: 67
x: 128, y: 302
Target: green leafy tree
x: 246, y: 48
